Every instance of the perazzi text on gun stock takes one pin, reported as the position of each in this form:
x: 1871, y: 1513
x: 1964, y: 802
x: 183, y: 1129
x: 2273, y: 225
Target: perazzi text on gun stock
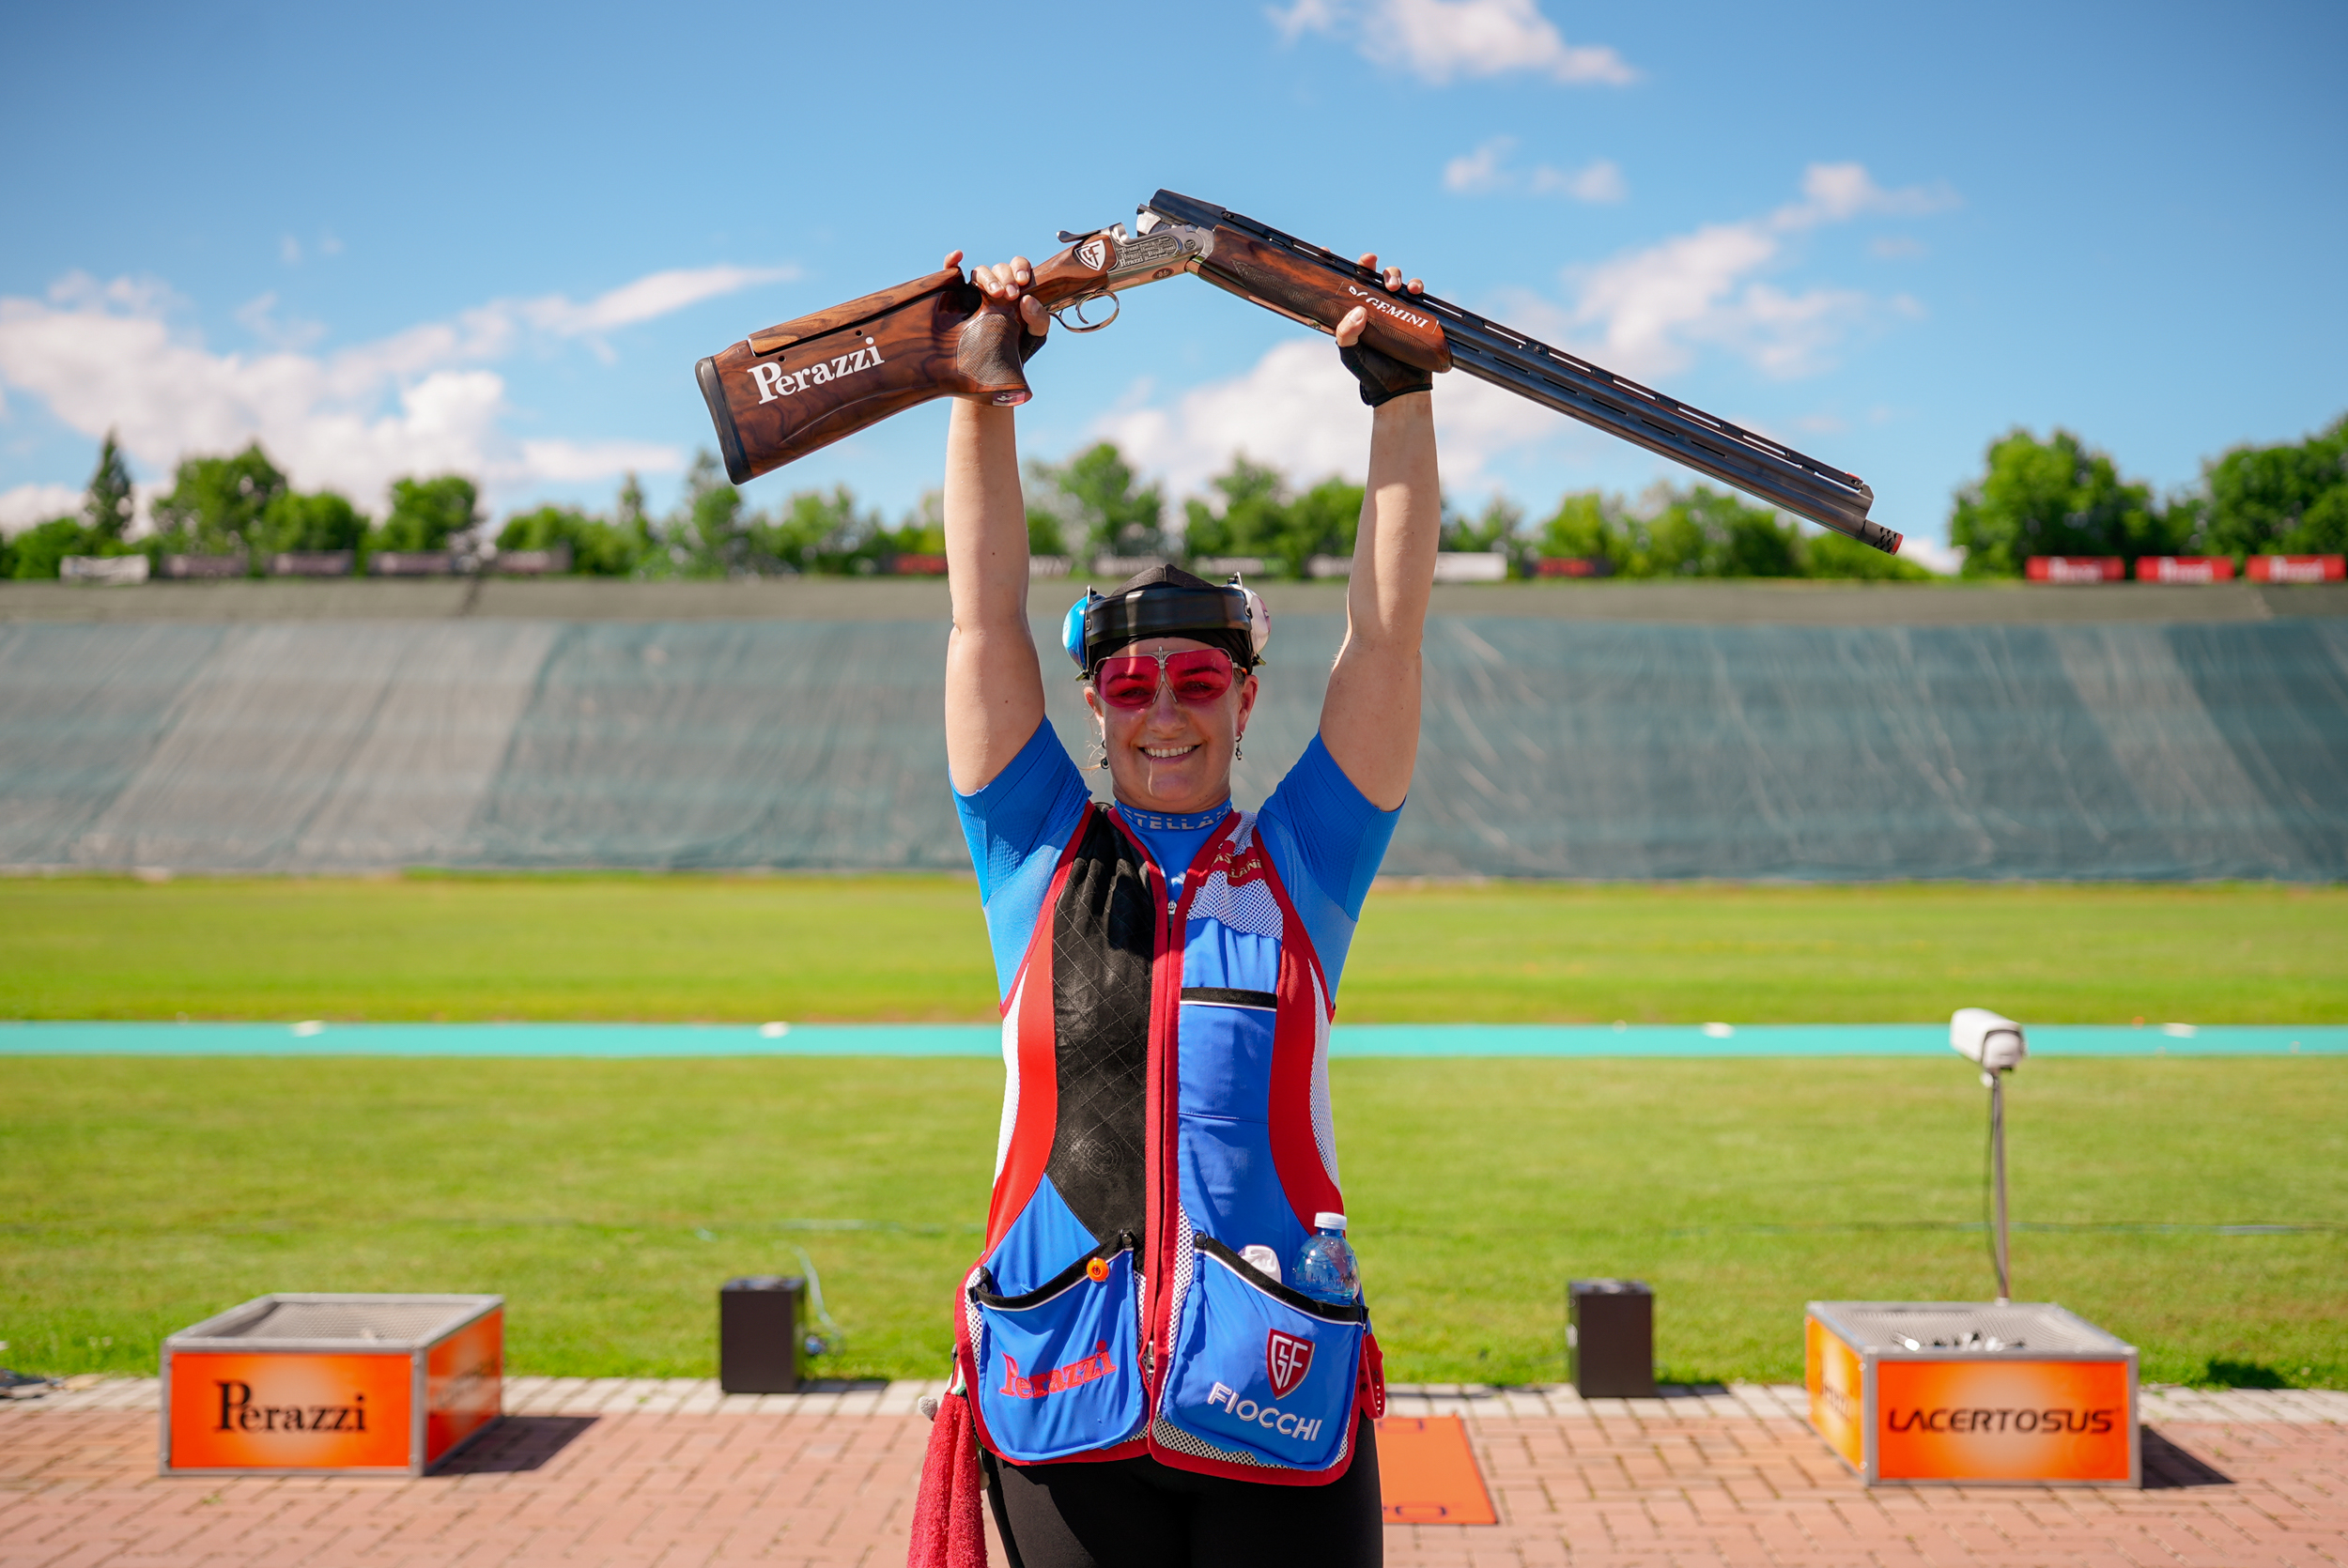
x: 802, y: 385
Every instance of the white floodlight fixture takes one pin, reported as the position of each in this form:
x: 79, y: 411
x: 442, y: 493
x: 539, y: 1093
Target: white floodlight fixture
x: 1994, y: 1043
x: 1991, y: 1040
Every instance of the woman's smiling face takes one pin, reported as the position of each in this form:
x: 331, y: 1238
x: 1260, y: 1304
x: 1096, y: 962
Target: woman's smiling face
x: 1170, y: 755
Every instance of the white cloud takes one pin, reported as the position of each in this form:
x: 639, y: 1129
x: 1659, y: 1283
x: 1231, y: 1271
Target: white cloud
x: 106, y: 356
x: 657, y: 293
x: 1475, y: 174
x: 1834, y: 193
x: 28, y: 504
x: 1599, y: 180
x: 260, y: 318
x: 1441, y: 40
x: 560, y: 461
x: 1647, y: 313
x: 1300, y: 410
x: 1484, y: 172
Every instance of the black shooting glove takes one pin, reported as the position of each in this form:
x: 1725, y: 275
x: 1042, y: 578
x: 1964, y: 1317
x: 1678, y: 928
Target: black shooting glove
x: 1383, y: 376
x: 1029, y: 343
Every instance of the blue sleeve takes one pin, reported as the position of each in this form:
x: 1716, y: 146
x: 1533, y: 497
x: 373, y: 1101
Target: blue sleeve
x: 1327, y: 840
x: 1016, y: 826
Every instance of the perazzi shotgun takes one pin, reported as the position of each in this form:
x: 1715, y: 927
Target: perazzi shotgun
x: 791, y: 389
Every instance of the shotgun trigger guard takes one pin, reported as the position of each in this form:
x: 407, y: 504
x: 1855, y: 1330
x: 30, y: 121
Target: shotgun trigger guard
x: 1075, y: 309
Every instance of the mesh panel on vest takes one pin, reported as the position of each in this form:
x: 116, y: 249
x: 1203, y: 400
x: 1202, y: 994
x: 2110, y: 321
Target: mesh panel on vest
x: 1324, y: 1118
x: 1248, y: 907
x: 1102, y: 935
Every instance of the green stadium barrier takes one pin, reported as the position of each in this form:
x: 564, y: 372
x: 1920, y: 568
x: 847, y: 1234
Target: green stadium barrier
x: 1551, y: 748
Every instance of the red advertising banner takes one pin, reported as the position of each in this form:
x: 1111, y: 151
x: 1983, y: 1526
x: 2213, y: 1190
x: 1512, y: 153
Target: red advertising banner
x: 2184, y: 568
x: 2075, y: 568
x: 2298, y: 568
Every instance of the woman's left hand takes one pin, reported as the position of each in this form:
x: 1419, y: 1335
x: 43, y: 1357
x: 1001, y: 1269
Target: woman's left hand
x: 1350, y: 326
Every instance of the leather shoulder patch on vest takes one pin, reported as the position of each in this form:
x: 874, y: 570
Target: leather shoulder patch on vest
x: 1102, y: 933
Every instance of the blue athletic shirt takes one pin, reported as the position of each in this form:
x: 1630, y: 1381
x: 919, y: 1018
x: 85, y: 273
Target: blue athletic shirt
x: 1324, y: 837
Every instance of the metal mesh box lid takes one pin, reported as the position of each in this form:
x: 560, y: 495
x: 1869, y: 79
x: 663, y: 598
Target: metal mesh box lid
x: 341, y: 1322
x: 1966, y: 1328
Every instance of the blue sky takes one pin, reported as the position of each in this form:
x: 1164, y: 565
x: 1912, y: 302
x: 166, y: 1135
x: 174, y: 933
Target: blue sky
x: 409, y: 238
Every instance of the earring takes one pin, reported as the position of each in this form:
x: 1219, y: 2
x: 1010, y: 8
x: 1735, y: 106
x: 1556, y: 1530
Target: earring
x: 1100, y: 757
x: 1239, y: 750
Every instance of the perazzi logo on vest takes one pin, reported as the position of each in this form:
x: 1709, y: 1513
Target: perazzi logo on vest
x: 1058, y: 1378
x: 773, y: 381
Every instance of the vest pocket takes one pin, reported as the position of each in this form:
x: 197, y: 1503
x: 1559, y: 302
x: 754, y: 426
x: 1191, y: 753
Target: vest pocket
x: 1058, y: 1372
x: 1261, y: 1372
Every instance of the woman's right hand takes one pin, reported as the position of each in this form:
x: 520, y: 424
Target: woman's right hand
x: 1006, y: 281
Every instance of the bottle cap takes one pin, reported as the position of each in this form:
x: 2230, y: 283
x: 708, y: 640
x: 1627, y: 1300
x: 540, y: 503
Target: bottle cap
x: 1328, y: 1220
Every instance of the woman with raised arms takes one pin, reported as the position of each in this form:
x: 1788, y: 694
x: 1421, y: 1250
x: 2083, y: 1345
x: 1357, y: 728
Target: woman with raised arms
x: 1156, y: 1372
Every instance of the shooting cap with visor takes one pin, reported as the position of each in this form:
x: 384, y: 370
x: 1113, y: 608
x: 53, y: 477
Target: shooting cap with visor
x: 1166, y: 601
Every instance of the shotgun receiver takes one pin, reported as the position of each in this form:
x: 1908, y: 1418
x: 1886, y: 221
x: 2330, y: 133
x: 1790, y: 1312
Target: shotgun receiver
x: 791, y: 389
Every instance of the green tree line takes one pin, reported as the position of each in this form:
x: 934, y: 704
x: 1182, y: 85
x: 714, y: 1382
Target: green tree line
x: 2061, y: 497
x: 223, y: 506
x: 2055, y: 495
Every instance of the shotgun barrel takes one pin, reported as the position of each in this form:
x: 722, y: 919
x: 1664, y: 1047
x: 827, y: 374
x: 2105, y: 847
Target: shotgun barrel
x: 1574, y: 387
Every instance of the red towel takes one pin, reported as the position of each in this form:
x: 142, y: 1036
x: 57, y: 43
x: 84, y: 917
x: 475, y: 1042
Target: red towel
x: 947, y: 1529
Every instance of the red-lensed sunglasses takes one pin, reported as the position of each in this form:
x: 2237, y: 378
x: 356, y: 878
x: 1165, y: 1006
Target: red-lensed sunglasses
x: 1198, y: 676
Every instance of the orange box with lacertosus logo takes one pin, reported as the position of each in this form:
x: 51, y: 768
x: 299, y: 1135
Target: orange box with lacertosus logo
x: 1972, y: 1392
x: 331, y: 1384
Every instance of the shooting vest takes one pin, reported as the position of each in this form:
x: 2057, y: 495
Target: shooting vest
x: 1166, y: 1111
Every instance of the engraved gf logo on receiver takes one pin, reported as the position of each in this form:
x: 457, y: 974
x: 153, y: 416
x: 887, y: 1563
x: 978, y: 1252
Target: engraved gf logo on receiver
x: 773, y: 381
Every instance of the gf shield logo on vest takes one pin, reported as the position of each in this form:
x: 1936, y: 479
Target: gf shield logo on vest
x: 1286, y: 1360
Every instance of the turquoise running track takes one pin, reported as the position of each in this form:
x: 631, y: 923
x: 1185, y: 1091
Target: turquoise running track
x: 98, y: 1038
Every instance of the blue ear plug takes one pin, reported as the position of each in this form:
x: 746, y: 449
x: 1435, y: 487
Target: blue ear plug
x: 1072, y: 629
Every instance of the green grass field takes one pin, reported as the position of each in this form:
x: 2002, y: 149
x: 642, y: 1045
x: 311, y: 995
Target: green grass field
x: 608, y: 1199
x: 913, y: 947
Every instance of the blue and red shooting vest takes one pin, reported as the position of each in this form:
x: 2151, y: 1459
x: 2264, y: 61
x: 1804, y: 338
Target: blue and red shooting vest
x: 1166, y: 1110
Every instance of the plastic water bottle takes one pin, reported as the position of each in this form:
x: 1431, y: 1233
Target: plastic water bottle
x: 1325, y: 1269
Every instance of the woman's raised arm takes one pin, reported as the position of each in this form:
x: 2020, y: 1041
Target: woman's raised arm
x: 1369, y: 718
x: 994, y: 686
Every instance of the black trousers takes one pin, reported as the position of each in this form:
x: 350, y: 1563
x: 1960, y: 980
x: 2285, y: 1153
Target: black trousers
x: 1139, y: 1513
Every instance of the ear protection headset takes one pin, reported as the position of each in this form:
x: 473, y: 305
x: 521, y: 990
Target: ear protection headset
x: 1097, y: 624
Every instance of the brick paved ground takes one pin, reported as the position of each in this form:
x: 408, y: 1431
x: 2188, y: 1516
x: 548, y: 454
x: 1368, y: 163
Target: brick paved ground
x: 616, y: 1472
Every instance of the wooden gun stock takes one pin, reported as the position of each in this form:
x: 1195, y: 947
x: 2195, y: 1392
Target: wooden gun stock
x: 783, y: 393
x: 1320, y: 297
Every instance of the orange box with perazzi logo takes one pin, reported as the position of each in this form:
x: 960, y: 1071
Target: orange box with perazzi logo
x: 384, y: 1384
x: 1925, y: 1392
